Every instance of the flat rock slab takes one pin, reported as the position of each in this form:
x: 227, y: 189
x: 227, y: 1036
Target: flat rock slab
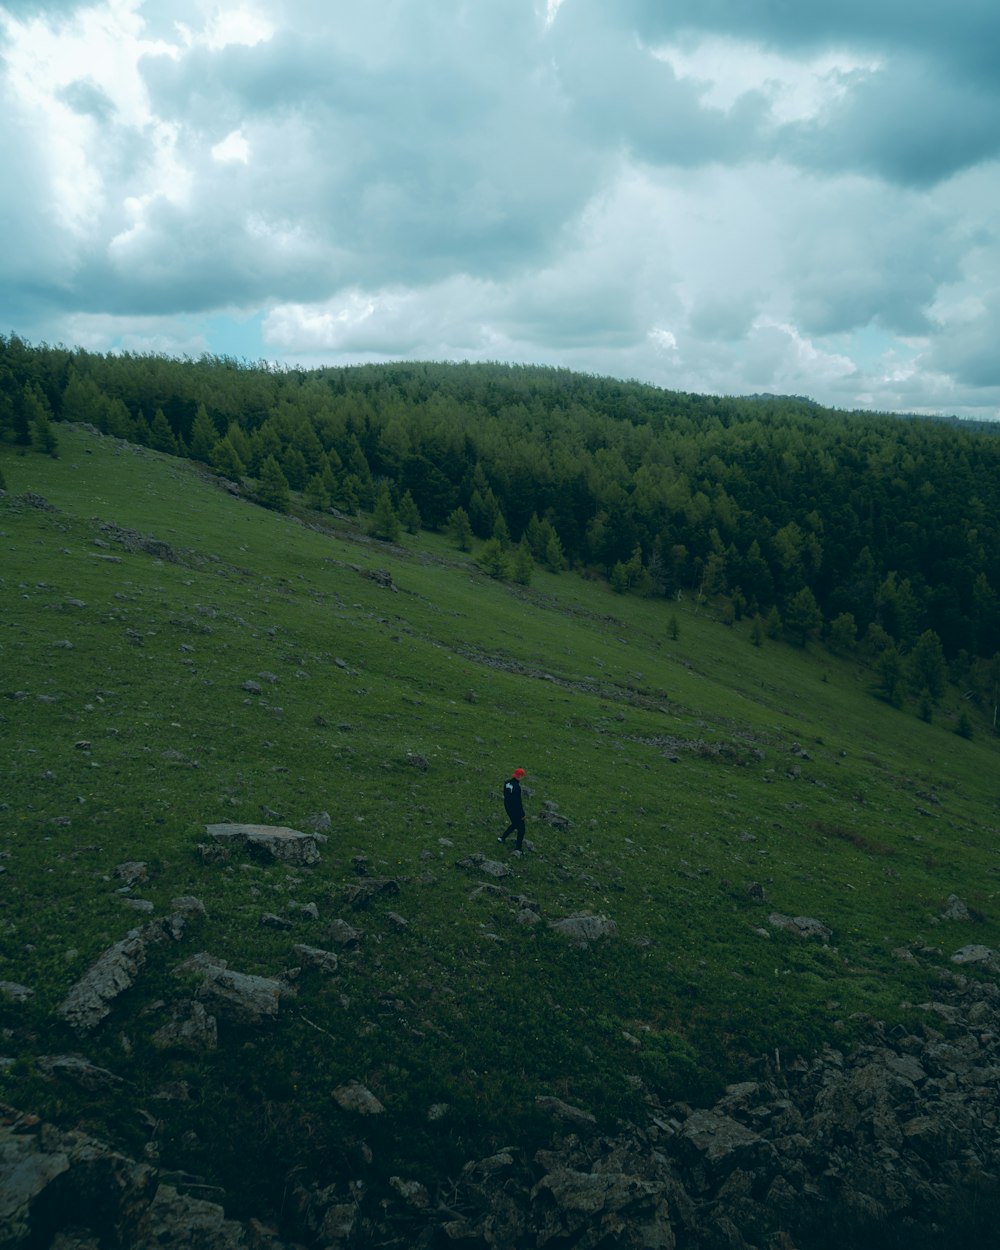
x: 288, y: 846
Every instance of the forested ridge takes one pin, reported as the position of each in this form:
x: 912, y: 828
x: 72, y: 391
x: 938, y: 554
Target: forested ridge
x: 875, y: 533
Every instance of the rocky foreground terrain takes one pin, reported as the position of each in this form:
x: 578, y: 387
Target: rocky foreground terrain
x: 896, y: 1144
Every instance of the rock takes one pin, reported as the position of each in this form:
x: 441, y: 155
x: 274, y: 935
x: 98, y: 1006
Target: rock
x: 955, y: 909
x: 721, y: 1141
x: 977, y: 954
x: 240, y: 997
x: 11, y: 992
x: 90, y: 1000
x: 190, y: 1028
x: 359, y: 896
x: 139, y: 904
x: 412, y: 1192
x: 358, y: 1098
x: 563, y: 1111
x: 71, y: 1178
x: 132, y: 872
x: 270, y: 921
x: 325, y: 961
x: 287, y: 846
x: 582, y: 928
x: 479, y: 863
x: 801, y: 926
x: 344, y: 934
x: 79, y: 1071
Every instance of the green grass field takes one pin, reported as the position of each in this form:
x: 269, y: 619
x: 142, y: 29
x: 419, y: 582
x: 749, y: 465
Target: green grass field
x: 706, y: 783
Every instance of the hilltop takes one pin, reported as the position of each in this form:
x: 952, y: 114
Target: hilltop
x: 176, y: 656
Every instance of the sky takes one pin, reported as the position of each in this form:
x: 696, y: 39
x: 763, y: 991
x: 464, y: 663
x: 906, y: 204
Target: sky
x: 721, y: 196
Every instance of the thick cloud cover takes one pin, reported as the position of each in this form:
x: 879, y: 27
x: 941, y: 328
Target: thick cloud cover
x: 714, y: 196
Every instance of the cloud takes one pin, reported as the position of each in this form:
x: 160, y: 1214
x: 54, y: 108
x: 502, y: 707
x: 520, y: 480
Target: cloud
x: 714, y: 196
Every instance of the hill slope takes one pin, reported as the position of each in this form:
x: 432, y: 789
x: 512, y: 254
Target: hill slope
x: 175, y: 657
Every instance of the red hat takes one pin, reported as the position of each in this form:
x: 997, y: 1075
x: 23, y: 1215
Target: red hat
x: 519, y: 772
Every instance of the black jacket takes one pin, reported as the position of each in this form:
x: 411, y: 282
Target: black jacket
x: 512, y: 800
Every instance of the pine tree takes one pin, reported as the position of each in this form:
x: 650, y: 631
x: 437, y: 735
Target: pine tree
x: 161, y: 436
x: 225, y: 461
x: 460, y: 528
x: 272, y: 488
x: 43, y: 437
x: 204, y: 435
x: 554, y: 558
x: 385, y: 523
x: 493, y: 559
x: 409, y: 513
x: 317, y: 496
x: 524, y: 565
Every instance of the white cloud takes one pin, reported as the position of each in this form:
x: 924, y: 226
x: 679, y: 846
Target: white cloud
x: 233, y: 148
x: 796, y: 88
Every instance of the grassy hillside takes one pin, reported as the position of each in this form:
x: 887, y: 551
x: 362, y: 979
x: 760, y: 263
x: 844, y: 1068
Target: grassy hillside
x: 706, y: 783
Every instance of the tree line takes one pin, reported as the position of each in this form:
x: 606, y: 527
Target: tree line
x: 875, y: 533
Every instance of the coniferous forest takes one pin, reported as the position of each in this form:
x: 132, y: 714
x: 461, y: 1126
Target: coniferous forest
x: 871, y: 534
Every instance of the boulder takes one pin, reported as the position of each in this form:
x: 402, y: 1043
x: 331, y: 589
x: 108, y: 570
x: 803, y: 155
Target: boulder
x: 325, y: 961
x: 582, y: 928
x: 189, y: 1028
x: 90, y: 1000
x: 801, y: 926
x: 358, y: 1098
x: 240, y: 997
x: 275, y: 842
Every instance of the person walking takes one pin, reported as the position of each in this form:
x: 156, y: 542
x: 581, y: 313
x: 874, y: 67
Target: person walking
x: 514, y: 806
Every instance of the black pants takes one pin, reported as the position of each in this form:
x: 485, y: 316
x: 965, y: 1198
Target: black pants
x: 516, y: 822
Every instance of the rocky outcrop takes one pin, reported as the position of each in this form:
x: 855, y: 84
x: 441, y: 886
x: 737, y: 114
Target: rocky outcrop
x: 895, y: 1143
x: 68, y: 1189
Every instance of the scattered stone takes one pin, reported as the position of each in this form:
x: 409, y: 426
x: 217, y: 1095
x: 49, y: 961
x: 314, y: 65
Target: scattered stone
x: 79, y: 1071
x: 189, y: 1028
x: 90, y: 1000
x: 412, y: 1192
x: 241, y: 997
x: 252, y: 687
x: 325, y: 961
x: 955, y: 909
x: 381, y: 577
x: 270, y: 921
x: 977, y: 954
x: 11, y: 992
x: 359, y: 896
x: 357, y: 1097
x: 132, y: 871
x: 418, y: 761
x: 563, y: 1111
x: 398, y: 922
x: 802, y: 926
x: 320, y: 822
x: 344, y: 934
x: 479, y: 863
x: 584, y: 928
